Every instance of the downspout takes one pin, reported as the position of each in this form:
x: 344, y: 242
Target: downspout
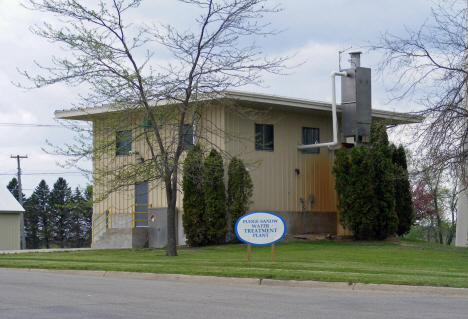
x: 334, y: 118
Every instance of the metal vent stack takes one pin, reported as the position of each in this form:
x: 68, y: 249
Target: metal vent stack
x: 356, y: 103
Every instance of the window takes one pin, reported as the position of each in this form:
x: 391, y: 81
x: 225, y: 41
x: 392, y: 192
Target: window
x: 310, y: 135
x: 123, y: 144
x: 264, y: 137
x: 188, y: 136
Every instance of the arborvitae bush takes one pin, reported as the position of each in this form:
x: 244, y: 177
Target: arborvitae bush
x: 214, y: 217
x: 354, y: 173
x: 386, y: 222
x: 403, y: 203
x: 240, y: 190
x: 365, y: 185
x: 341, y: 170
x: 362, y: 201
x: 194, y: 198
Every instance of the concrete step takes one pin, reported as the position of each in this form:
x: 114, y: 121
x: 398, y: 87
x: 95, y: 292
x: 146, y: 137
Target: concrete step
x: 122, y: 238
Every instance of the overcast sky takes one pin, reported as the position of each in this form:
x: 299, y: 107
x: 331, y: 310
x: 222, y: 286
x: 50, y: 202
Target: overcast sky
x: 314, y: 29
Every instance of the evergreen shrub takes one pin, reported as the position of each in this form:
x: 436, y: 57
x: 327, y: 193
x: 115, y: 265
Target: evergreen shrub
x: 214, y: 190
x: 240, y: 190
x: 403, y: 198
x: 194, y: 198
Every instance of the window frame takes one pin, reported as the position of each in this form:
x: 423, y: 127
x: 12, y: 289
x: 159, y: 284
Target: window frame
x: 123, y: 142
x: 260, y: 137
x: 304, y: 142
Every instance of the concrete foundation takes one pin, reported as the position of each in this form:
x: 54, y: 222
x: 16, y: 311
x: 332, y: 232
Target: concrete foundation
x: 311, y: 222
x: 315, y: 222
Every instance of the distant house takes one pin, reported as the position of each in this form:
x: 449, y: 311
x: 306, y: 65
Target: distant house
x: 10, y: 211
x: 296, y: 184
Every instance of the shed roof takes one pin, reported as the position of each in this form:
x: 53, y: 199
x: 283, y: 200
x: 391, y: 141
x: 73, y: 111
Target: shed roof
x: 8, y: 203
x: 258, y: 100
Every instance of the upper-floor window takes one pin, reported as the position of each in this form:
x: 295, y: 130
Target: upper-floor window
x: 264, y: 137
x: 188, y: 137
x: 310, y: 135
x: 123, y: 144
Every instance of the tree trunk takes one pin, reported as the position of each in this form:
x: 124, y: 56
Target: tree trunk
x: 439, y: 229
x: 450, y: 237
x: 453, y: 224
x: 171, y: 194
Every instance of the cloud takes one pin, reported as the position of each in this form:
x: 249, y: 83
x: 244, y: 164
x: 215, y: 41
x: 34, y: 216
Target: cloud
x: 314, y: 29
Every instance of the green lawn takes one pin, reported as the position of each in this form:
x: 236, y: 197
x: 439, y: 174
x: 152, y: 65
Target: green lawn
x: 406, y: 262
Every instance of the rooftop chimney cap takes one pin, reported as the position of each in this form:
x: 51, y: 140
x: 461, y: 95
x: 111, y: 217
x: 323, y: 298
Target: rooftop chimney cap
x: 355, y: 59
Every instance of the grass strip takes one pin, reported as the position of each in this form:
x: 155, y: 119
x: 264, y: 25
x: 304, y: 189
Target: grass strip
x: 405, y: 262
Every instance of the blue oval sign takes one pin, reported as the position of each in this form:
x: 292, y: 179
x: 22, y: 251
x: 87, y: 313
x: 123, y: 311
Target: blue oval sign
x: 260, y: 228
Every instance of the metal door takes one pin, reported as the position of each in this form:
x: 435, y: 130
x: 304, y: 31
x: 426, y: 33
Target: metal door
x: 141, y: 198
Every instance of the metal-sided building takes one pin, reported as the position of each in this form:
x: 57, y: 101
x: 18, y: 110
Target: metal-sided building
x: 296, y: 184
x: 10, y: 213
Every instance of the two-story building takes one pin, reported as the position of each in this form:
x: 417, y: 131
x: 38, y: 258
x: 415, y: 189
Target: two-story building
x: 296, y: 184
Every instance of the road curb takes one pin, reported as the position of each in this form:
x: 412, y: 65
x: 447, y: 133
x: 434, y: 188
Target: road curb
x: 223, y: 280
x: 12, y: 252
x: 308, y: 284
x: 424, y: 290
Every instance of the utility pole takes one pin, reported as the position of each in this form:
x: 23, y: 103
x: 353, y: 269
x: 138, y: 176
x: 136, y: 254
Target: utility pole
x: 20, y: 199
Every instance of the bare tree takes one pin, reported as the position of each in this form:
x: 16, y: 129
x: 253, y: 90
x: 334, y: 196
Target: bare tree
x: 428, y: 66
x: 435, y: 196
x: 158, y: 104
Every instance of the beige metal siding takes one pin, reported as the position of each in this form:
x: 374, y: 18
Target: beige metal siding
x: 211, y: 129
x: 277, y: 186
x: 10, y: 231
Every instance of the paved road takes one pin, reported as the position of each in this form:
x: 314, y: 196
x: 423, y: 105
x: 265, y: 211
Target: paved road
x: 47, y: 295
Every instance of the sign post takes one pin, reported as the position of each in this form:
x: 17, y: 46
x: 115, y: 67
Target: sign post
x: 260, y: 229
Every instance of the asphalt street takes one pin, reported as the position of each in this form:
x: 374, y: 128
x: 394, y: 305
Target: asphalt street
x: 49, y: 295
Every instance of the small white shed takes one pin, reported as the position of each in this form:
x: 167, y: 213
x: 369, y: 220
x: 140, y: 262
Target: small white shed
x: 10, y: 211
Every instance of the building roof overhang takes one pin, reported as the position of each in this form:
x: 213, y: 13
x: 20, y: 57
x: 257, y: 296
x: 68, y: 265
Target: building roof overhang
x: 8, y: 203
x: 257, y: 100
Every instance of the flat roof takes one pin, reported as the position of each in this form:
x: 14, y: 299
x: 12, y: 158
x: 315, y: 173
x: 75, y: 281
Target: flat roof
x: 266, y: 101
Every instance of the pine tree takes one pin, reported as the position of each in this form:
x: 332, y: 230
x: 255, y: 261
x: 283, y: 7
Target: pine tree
x: 31, y: 222
x: 386, y: 222
x: 58, y: 200
x: 87, y: 210
x: 215, y: 197
x: 38, y: 218
x: 194, y: 198
x: 14, y: 189
x: 80, y: 219
x: 403, y: 197
x: 240, y: 190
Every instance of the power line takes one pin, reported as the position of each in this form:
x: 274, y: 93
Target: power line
x: 43, y: 174
x: 38, y: 174
x: 44, y: 125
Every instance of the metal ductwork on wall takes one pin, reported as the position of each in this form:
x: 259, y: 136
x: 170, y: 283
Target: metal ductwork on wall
x: 356, y: 103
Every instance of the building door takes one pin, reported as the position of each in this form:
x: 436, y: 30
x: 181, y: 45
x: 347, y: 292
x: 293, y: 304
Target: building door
x: 141, y: 198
